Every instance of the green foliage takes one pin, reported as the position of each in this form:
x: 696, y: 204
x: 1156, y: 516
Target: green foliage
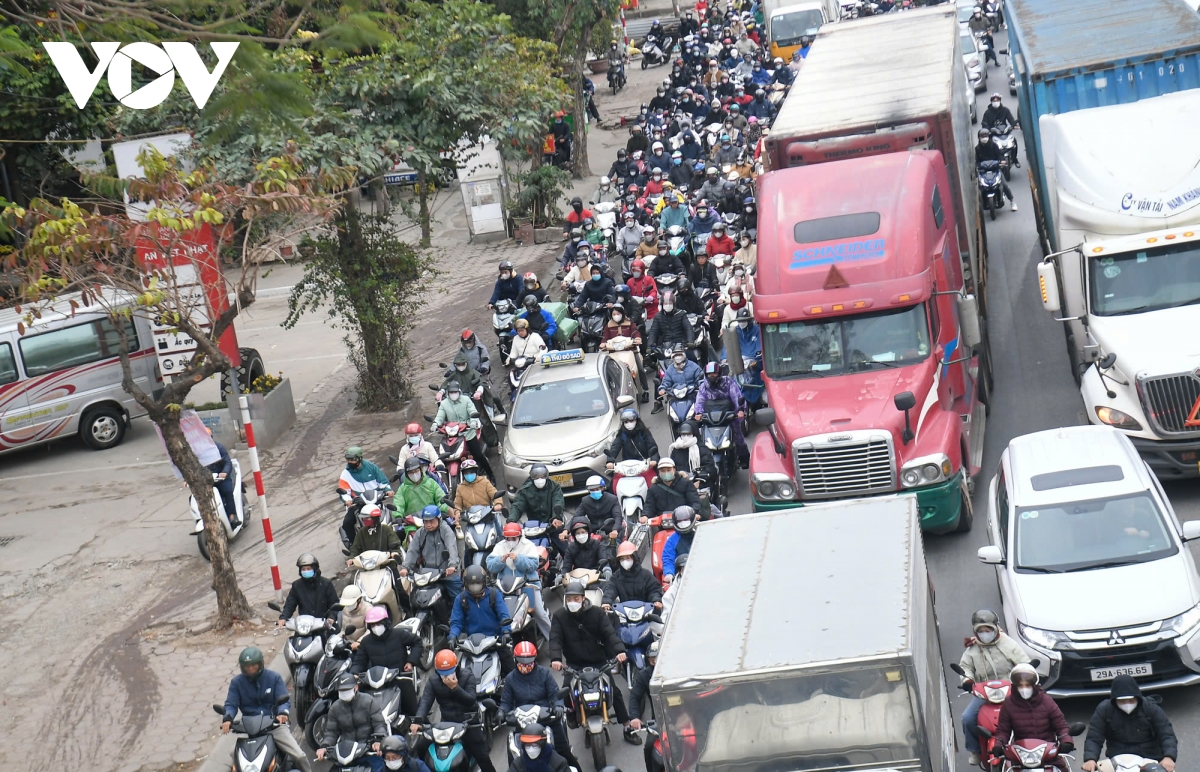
x: 538, y: 193
x: 371, y: 285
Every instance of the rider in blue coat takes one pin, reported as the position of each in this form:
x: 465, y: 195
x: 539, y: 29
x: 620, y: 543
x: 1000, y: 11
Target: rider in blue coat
x: 679, y: 543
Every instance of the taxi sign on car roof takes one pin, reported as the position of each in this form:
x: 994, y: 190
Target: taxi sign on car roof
x: 569, y: 357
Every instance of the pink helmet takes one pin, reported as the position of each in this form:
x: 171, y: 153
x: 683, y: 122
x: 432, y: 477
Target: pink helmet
x: 376, y: 614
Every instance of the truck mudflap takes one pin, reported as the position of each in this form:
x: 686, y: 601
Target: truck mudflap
x: 1170, y: 460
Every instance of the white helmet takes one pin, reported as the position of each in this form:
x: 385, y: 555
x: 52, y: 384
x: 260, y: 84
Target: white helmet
x: 604, y: 182
x: 657, y: 146
x: 595, y: 481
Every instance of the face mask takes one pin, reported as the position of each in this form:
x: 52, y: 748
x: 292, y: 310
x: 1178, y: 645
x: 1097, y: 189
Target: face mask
x: 470, y: 476
x: 676, y: 161
x: 667, y: 476
x: 581, y: 538
x: 668, y: 307
x: 617, y: 318
x: 506, y: 276
x: 454, y: 395
x: 744, y: 325
x: 533, y: 751
x: 307, y: 574
x: 638, y: 274
x: 631, y: 425
x: 539, y: 482
x: 595, y: 277
x: 984, y: 140
x: 414, y: 440
x: 461, y: 368
x: 394, y: 763
x: 627, y: 564
x: 735, y: 299
x: 1128, y: 707
x: 597, y: 495
x: 574, y: 605
x: 986, y: 636
x: 345, y: 695
x: 995, y: 104
x: 379, y: 630
x: 680, y: 358
x: 1025, y: 691
x: 415, y: 476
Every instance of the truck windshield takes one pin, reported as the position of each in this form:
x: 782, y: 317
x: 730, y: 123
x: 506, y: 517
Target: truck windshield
x: 813, y: 721
x: 788, y: 27
x: 846, y: 343
x: 1135, y: 282
x: 1086, y: 535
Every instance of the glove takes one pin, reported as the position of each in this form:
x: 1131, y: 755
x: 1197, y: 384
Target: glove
x: 967, y: 685
x: 1066, y: 747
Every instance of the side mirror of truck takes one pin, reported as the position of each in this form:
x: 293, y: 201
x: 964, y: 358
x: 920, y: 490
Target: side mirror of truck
x: 765, y: 416
x: 1048, y: 285
x: 906, y: 401
x: 991, y: 555
x: 1191, y: 530
x: 968, y: 321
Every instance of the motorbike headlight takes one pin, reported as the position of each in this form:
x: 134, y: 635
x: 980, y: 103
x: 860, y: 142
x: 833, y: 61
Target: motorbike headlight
x: 590, y: 696
x: 1185, y: 623
x: 926, y: 470
x: 1115, y: 418
x: 1030, y: 757
x: 772, y: 486
x: 1046, y: 639
x: 996, y: 694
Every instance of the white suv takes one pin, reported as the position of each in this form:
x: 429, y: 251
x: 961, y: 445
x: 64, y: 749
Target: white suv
x: 1094, y: 575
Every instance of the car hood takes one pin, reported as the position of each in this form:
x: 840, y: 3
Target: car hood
x: 1139, y: 343
x: 558, y: 441
x: 1108, y: 597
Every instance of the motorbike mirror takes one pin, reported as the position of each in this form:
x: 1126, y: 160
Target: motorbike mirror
x: 957, y: 669
x: 219, y: 710
x: 564, y: 693
x: 428, y: 418
x: 1035, y: 663
x: 608, y: 524
x: 434, y: 387
x: 345, y: 552
x: 488, y: 703
x: 273, y: 606
x: 394, y: 460
x: 983, y: 733
x: 558, y: 510
x: 396, y: 477
x: 283, y: 698
x: 764, y: 416
x: 350, y: 629
x: 390, y: 507
x: 1077, y: 728
x: 443, y: 365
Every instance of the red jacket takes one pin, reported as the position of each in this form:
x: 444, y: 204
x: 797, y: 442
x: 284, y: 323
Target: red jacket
x: 654, y: 187
x: 577, y: 219
x: 722, y: 245
x: 645, y: 288
x: 1035, y: 718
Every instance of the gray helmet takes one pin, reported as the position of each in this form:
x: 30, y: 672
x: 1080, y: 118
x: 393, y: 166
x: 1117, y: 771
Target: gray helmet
x: 629, y: 414
x: 985, y: 617
x: 681, y: 515
x: 308, y: 559
x: 394, y: 744
x: 681, y: 563
x: 454, y: 385
x: 687, y: 427
x: 412, y: 463
x: 574, y: 587
x: 538, y: 470
x: 474, y: 575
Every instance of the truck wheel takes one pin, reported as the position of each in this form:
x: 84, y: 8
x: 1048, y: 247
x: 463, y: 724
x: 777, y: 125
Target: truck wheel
x: 1075, y: 370
x: 252, y: 368
x: 103, y: 427
x: 966, y: 514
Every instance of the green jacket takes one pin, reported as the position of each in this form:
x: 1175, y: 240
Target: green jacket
x: 536, y: 504
x: 463, y: 411
x: 382, y: 537
x: 411, y: 499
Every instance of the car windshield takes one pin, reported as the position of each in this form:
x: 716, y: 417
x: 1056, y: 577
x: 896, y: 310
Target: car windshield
x: 1133, y: 282
x: 788, y: 28
x: 555, y: 402
x: 846, y: 343
x: 1085, y: 535
x: 967, y: 44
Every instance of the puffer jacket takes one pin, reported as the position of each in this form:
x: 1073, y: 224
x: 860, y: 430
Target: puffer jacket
x: 1146, y: 732
x: 411, y: 499
x: 585, y: 637
x: 532, y: 503
x: 314, y: 597
x: 985, y: 663
x: 256, y: 696
x: 536, y: 688
x: 598, y: 511
x: 635, y: 584
x: 638, y: 444
x: 359, y: 719
x: 480, y: 493
x: 1038, y: 717
x: 462, y: 411
x: 671, y: 328
x: 665, y: 498
x: 378, y: 537
x: 432, y: 549
x: 457, y: 704
x: 396, y: 648
x: 592, y: 554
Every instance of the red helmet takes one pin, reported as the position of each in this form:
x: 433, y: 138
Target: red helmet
x: 525, y: 649
x: 512, y: 529
x: 638, y: 265
x: 413, y: 428
x: 467, y: 334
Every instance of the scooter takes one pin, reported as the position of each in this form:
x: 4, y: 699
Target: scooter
x: 616, y: 75
x: 716, y: 432
x: 523, y: 628
x: 488, y: 434
x: 481, y: 534
x: 516, y: 373
x: 375, y: 579
x: 482, y: 659
x: 623, y: 349
x: 334, y: 662
x: 681, y: 406
x: 1002, y: 135
x: 661, y: 526
x: 635, y: 625
x: 445, y: 752
x: 591, y: 325
x: 256, y: 750
x: 994, y: 693
x: 631, y: 482
x: 240, y: 502
x: 349, y: 756
x: 677, y: 244
x: 1031, y: 754
x: 590, y: 579
x: 606, y: 220
x: 302, y: 652
x: 452, y: 451
x: 503, y: 316
x: 431, y: 611
x: 524, y: 715
x: 591, y: 700
x: 990, y: 193
x: 383, y: 683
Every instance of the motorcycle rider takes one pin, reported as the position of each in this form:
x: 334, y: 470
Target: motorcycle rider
x: 540, y: 320
x: 673, y: 214
x: 681, y: 372
x: 679, y: 174
x: 416, y: 445
x: 390, y: 647
x: 711, y: 190
x: 631, y: 582
x: 648, y: 246
x: 660, y: 101
x: 717, y: 386
x: 518, y: 556
x: 639, y: 690
x: 599, y: 506
x: 671, y: 327
x: 1028, y: 713
x: 375, y: 535
x: 633, y: 441
x: 467, y: 376
x: 455, y: 695
x: 508, y: 286
x: 538, y: 499
x: 456, y: 408
x: 680, y: 541
x: 606, y: 192
x: 531, y: 287
x: 783, y: 75
x: 987, y: 150
x: 672, y: 593
x: 686, y: 297
x: 534, y: 684
x: 978, y: 23
x: 690, y: 455
x: 525, y: 344
x: 703, y: 273
x: 990, y: 654
x: 478, y: 360
x: 418, y: 490
x: 434, y: 546
x: 1127, y: 722
x: 598, y: 289
x: 643, y: 289
x: 630, y: 236
x: 480, y: 609
x: 536, y: 754
x: 665, y: 262
x: 396, y: 757
x: 311, y: 595
x: 223, y: 469
x: 620, y: 167
x: 724, y: 153
x: 690, y: 150
x: 581, y: 550
x: 354, y: 613
x: 352, y: 716
x: 358, y: 476
x: 583, y: 636
x: 760, y: 107
x: 253, y: 692
x: 576, y: 216
x: 997, y: 114
x: 637, y: 140
x: 737, y: 302
x: 476, y: 491
x: 670, y: 491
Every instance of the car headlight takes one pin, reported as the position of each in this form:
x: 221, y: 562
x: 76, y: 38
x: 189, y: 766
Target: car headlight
x: 973, y: 61
x: 1046, y: 639
x: 926, y: 470
x: 512, y: 459
x: 1117, y: 419
x: 1185, y: 623
x: 772, y: 486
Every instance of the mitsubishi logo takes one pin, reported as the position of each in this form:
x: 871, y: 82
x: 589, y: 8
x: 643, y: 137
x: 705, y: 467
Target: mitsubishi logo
x: 1115, y: 639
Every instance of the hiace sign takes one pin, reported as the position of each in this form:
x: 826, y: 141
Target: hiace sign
x: 168, y: 60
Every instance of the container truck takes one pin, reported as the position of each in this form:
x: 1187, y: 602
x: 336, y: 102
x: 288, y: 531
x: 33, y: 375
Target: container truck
x: 781, y: 652
x: 1109, y: 106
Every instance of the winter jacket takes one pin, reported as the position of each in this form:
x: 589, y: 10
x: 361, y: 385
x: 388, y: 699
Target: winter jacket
x: 725, y: 154
x: 671, y: 329
x: 1145, y: 732
x: 537, y: 293
x: 760, y: 109
x: 469, y: 380
x: 480, y: 493
x: 986, y: 663
x: 314, y: 597
x: 711, y: 190
x: 636, y: 444
x: 457, y: 704
x: 995, y: 116
x: 682, y: 459
x: 628, y: 239
x: 593, y: 554
x: 646, y: 250
x: 529, y: 346
x: 462, y: 411
x: 425, y: 450
x: 542, y: 323
x: 359, y: 719
x: 256, y: 696
x: 356, y: 618
x: 487, y: 615
x: 691, y: 151
x: 411, y: 499
x: 528, y: 556
x: 666, y: 498
x: 677, y: 545
x: 719, y: 245
x: 536, y: 688
x: 477, y: 356
x: 704, y: 275
x: 394, y: 649
x: 729, y: 315
x: 664, y: 264
x: 679, y: 175
x: 726, y: 388
x: 625, y: 328
x: 673, y: 377
x: 585, y: 637
x: 644, y: 287
x: 702, y: 225
x: 432, y: 549
x: 988, y: 151
x: 506, y: 289
x: 635, y: 584
x: 597, y: 511
x: 377, y: 537
x: 1036, y: 718
x: 366, y: 478
x: 672, y: 216
x: 532, y: 503
x: 553, y: 763
x: 689, y: 302
x: 223, y: 465
x: 598, y: 291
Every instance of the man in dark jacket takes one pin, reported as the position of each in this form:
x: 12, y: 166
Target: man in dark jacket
x: 312, y: 594
x: 665, y: 262
x: 600, y: 506
x: 1029, y: 713
x: 580, y: 550
x: 639, y: 690
x: 599, y: 289
x: 223, y: 468
x: 387, y: 646
x: 690, y: 455
x: 508, y: 285
x: 456, y: 697
x: 630, y: 581
x: 669, y: 491
x: 536, y: 754
x: 533, y: 684
x: 634, y: 441
x: 352, y: 716
x: 1129, y: 723
x: 671, y: 326
x: 540, y: 498
x: 256, y: 691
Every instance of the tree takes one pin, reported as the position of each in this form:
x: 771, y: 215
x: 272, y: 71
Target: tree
x: 63, y: 248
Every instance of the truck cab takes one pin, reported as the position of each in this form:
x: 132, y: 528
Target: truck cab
x: 792, y: 26
x: 868, y: 338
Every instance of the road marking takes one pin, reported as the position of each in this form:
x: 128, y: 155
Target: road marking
x: 81, y: 471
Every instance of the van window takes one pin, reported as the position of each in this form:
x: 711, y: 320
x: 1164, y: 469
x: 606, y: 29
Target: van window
x: 73, y: 346
x: 8, y: 365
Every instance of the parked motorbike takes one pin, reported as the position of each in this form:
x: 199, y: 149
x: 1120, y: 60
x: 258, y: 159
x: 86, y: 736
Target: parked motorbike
x: 375, y: 579
x: 481, y: 657
x: 591, y: 702
x: 383, y: 684
x: 503, y: 316
x: 635, y: 624
x: 334, y: 662
x: 255, y: 749
x: 239, y: 501
x: 991, y: 195
x: 716, y: 432
x: 481, y: 534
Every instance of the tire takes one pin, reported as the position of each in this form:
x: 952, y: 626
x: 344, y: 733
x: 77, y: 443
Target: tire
x: 967, y: 516
x: 103, y: 427
x: 252, y: 367
x: 992, y: 210
x: 202, y: 543
x: 314, y: 730
x: 302, y: 703
x: 644, y: 63
x: 429, y: 644
x: 984, y: 392
x: 599, y: 751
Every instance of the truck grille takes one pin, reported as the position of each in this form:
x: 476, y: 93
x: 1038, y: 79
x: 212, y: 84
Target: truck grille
x: 1168, y: 401
x: 844, y: 464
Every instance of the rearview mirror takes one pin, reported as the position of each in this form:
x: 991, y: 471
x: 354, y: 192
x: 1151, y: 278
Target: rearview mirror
x: 990, y: 555
x: 905, y: 400
x: 1035, y: 663
x: 434, y: 387
x: 968, y: 321
x: 764, y: 416
x: 428, y: 418
x: 1191, y: 530
x: 350, y: 629
x: 558, y: 510
x: 274, y: 606
x: 982, y: 732
x: 281, y: 699
x: 958, y: 669
x: 1048, y: 285
x: 219, y: 710
x: 1077, y: 728
x: 625, y: 400
x: 394, y: 460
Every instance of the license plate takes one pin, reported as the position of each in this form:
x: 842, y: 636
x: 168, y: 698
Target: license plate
x: 1109, y: 673
x: 563, y: 480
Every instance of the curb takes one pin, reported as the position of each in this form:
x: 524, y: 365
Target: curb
x: 220, y: 757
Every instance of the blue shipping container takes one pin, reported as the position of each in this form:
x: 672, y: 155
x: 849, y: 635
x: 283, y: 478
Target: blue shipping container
x: 1074, y: 54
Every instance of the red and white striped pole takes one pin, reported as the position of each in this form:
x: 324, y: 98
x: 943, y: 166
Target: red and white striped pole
x: 624, y: 28
x: 244, y: 404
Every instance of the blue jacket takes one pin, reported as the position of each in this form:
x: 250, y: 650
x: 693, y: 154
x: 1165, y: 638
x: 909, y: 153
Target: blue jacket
x: 703, y: 225
x: 691, y: 375
x: 551, y: 325
x: 691, y: 151
x: 750, y: 341
x: 524, y: 565
x: 537, y: 688
x: 508, y: 290
x: 677, y: 546
x: 487, y: 615
x: 256, y: 697
x: 760, y: 77
x: 671, y: 216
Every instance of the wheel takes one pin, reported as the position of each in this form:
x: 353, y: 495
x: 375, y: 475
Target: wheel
x: 599, y: 751
x: 252, y: 368
x: 302, y: 703
x: 1007, y: 172
x: 992, y: 210
x: 984, y: 391
x: 202, y: 543
x: 314, y: 730
x: 967, y: 515
x: 102, y: 427
x: 429, y: 644
x: 645, y: 64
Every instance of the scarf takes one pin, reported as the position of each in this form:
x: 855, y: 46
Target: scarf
x: 693, y: 449
x: 739, y: 304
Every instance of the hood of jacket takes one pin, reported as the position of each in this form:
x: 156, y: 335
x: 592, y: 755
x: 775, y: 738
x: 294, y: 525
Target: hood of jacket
x: 1124, y: 686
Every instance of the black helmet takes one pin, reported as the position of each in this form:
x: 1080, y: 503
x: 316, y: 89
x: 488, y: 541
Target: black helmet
x: 308, y: 559
x: 683, y: 285
x: 687, y: 427
x: 984, y: 133
x: 539, y: 470
x: 621, y: 155
x: 530, y: 302
x: 250, y: 656
x: 985, y: 617
x: 475, y: 576
x: 681, y: 515
x: 394, y: 744
x: 681, y: 563
x: 506, y: 265
x: 574, y: 587
x: 411, y: 463
x: 453, y: 386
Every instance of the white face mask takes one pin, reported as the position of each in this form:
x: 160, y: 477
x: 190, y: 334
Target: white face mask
x: 627, y: 563
x: 394, y: 763
x: 414, y: 439
x: 1128, y: 707
x: 379, y: 630
x: 581, y: 538
x: 415, y: 476
x: 986, y: 636
x: 631, y: 425
x: 345, y: 695
x: 1025, y: 691
x: 574, y: 605
x: 539, y: 482
x: 533, y: 751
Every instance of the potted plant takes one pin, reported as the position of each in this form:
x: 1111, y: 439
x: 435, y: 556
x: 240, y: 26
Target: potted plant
x: 272, y: 408
x: 539, y: 192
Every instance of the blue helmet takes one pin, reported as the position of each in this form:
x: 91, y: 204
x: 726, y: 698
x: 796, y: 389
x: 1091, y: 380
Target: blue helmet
x: 431, y: 512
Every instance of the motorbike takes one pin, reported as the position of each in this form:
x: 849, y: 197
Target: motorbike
x: 591, y: 702
x: 606, y: 220
x: 631, y: 482
x: 255, y: 749
x: 991, y: 194
x: 516, y: 372
x: 482, y: 658
x: 349, y: 756
x: 334, y: 662
x: 751, y: 383
x: 681, y: 406
x: 1002, y: 135
x: 445, y: 752
x: 383, y: 684
x: 993, y: 693
x: 481, y: 534
x: 512, y: 588
x: 239, y: 501
x: 1030, y: 754
x: 677, y: 243
x: 431, y: 611
x: 487, y: 426
x: 716, y: 432
x: 624, y: 351
x: 635, y: 624
x: 656, y: 52
x: 590, y: 579
x: 592, y: 317
x: 375, y: 579
x: 524, y: 715
x: 616, y: 75
x: 661, y: 528
x: 303, y: 650
x: 452, y: 451
x: 503, y: 316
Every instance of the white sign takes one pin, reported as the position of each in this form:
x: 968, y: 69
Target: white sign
x: 171, y: 58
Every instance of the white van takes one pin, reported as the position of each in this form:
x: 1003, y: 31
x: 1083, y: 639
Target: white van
x: 63, y: 376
